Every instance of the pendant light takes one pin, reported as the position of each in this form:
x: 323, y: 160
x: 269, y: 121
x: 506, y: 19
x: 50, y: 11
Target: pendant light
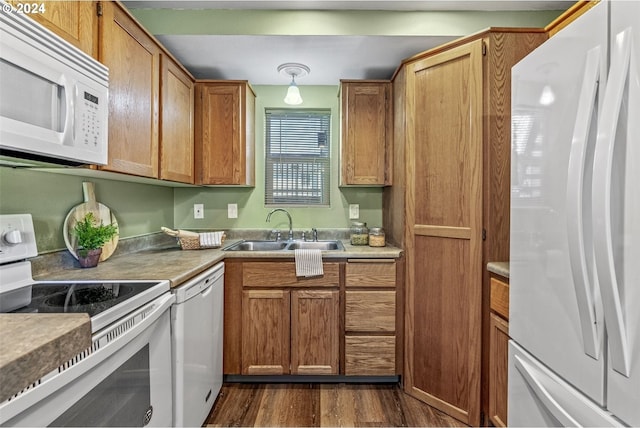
x: 294, y: 70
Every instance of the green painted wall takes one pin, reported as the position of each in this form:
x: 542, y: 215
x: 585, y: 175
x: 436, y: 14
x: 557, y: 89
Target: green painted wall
x: 143, y: 208
x: 251, y: 209
x: 335, y: 22
x: 139, y: 208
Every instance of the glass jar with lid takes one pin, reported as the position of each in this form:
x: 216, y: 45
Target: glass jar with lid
x: 359, y: 233
x: 377, y: 237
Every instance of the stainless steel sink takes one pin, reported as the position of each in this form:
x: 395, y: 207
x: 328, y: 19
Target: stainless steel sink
x: 257, y: 246
x: 317, y: 245
x: 249, y: 245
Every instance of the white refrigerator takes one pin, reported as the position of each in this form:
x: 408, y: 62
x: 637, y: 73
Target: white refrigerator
x: 574, y: 321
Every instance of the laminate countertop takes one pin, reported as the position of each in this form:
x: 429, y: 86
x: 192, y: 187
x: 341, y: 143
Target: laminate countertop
x: 499, y: 268
x: 178, y: 266
x: 32, y: 345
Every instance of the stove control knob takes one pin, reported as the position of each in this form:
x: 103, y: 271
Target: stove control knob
x: 13, y: 237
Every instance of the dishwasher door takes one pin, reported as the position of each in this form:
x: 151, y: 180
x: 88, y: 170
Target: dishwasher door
x: 196, y: 341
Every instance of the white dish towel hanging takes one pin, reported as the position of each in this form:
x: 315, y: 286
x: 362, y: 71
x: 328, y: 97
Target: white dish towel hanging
x: 308, y: 262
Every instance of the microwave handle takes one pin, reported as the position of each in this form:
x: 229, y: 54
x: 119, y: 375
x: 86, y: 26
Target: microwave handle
x: 70, y: 96
x: 71, y: 123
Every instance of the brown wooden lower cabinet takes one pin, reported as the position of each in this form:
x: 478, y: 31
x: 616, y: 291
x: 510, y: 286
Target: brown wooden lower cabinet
x: 498, y: 350
x: 266, y: 325
x: 343, y: 323
x: 370, y: 318
x: 498, y: 368
x: 289, y: 330
x: 315, y: 332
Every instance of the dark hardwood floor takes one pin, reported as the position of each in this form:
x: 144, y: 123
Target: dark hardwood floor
x: 322, y: 405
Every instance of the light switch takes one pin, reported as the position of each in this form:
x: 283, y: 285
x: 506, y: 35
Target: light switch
x: 198, y: 210
x: 354, y: 211
x: 232, y: 210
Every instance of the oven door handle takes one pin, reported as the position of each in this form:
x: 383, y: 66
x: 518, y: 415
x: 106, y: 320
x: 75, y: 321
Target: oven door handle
x: 104, y: 344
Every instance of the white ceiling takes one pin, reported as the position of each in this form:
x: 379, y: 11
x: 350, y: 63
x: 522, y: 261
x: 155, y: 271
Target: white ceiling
x: 486, y: 5
x: 330, y: 57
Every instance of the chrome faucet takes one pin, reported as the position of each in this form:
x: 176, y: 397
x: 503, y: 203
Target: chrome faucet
x: 290, y: 221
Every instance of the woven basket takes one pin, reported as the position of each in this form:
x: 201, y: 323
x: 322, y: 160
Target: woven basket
x: 194, y: 243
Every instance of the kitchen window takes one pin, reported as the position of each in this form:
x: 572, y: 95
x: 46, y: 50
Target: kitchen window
x: 297, y: 165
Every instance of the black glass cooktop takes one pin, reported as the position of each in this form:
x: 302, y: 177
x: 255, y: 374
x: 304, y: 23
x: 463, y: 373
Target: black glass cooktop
x: 90, y: 297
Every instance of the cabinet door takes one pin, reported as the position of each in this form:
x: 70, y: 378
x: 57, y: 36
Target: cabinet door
x: 444, y: 246
x: 315, y: 332
x: 176, y: 138
x: 498, y: 370
x: 133, y: 59
x: 265, y: 332
x: 366, y: 122
x: 224, y: 136
x: 74, y: 21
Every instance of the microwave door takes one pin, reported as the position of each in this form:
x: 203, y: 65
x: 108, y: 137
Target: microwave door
x: 36, y: 100
x: 31, y: 99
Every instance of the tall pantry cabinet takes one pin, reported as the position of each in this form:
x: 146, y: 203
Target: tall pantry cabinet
x: 451, y: 179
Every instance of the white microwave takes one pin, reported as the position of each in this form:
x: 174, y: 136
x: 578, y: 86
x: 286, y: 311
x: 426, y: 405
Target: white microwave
x: 53, y: 97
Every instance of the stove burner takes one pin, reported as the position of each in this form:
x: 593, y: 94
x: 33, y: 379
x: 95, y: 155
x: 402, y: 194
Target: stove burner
x: 82, y: 297
x: 92, y: 300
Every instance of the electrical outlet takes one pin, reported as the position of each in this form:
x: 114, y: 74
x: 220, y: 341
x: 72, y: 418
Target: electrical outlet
x: 198, y: 210
x: 354, y: 211
x: 232, y: 210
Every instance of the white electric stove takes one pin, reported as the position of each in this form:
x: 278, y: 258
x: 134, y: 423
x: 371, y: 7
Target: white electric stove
x: 124, y: 378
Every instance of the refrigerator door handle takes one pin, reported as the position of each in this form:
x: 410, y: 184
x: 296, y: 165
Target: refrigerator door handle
x: 585, y: 283
x: 532, y: 377
x: 602, y: 189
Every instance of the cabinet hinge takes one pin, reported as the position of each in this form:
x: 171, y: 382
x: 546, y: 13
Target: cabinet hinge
x: 484, y: 234
x: 484, y: 49
x: 99, y: 8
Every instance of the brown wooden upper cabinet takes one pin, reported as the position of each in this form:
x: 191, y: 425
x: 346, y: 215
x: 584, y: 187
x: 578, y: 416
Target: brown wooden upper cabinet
x: 151, y: 102
x: 74, y: 21
x: 176, y: 130
x: 366, y: 132
x: 224, y: 133
x: 133, y: 58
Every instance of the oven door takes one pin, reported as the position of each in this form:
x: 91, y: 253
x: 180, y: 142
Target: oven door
x: 124, y: 379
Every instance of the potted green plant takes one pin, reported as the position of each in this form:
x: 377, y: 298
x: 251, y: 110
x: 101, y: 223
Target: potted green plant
x: 90, y: 238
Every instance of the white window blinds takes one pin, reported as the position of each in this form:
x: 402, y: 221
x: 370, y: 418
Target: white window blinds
x: 297, y: 165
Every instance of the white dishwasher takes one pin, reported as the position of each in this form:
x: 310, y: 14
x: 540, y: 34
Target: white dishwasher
x: 196, y: 344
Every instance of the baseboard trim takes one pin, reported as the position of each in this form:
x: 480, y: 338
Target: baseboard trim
x: 310, y: 379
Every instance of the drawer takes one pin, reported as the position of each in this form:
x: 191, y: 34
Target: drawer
x: 500, y: 297
x: 283, y: 274
x: 370, y: 311
x: 371, y: 273
x: 370, y: 355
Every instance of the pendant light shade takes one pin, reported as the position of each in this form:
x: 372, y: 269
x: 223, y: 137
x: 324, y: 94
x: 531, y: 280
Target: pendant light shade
x: 294, y: 70
x: 293, y: 94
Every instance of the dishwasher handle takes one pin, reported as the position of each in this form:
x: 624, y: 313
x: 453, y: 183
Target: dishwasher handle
x: 207, y: 290
x: 201, y: 284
